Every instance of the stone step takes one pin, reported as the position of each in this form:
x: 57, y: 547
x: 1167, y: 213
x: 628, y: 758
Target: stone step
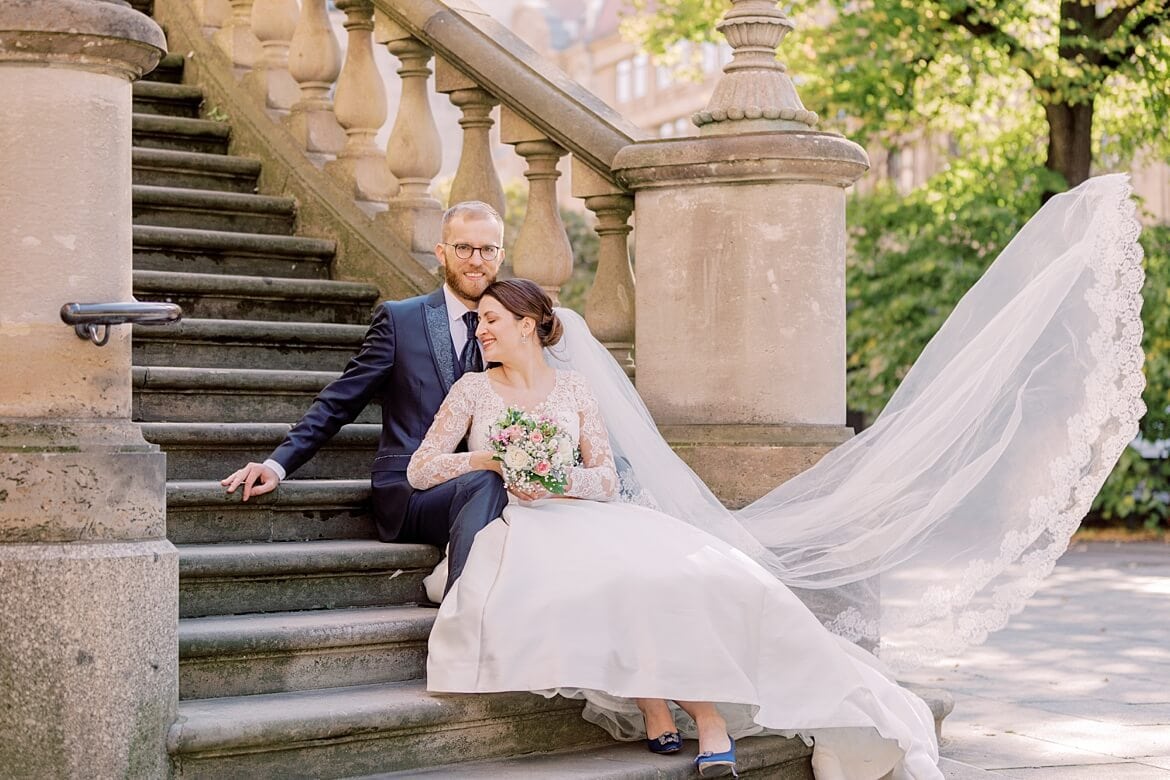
x: 218, y: 251
x: 182, y: 133
x: 241, y: 655
x: 211, y: 451
x: 163, y: 99
x: 240, y: 578
x: 169, y: 69
x: 268, y: 298
x: 298, y: 346
x: 213, y: 210
x: 202, y: 512
x: 194, y: 170
x: 773, y: 758
x: 227, y: 395
x: 342, y: 732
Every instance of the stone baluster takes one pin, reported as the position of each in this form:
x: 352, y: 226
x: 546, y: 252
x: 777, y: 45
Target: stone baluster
x: 414, y: 152
x: 213, y: 14
x: 360, y: 107
x: 541, y: 251
x: 609, y: 304
x: 236, y: 38
x: 273, y: 24
x: 476, y: 177
x: 315, y: 63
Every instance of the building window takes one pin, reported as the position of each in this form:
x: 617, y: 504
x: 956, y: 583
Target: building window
x: 623, y: 81
x: 894, y: 164
x: 710, y: 58
x: 664, y: 76
x: 641, y: 66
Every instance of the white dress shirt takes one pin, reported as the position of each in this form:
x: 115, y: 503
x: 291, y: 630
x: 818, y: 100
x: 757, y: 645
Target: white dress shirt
x: 455, y: 311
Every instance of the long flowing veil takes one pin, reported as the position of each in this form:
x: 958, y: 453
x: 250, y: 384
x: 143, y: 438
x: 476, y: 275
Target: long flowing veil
x: 929, y: 529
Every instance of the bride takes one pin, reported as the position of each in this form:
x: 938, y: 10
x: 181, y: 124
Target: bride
x: 954, y: 505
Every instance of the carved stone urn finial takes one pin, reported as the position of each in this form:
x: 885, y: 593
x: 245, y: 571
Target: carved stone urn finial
x: 755, y: 93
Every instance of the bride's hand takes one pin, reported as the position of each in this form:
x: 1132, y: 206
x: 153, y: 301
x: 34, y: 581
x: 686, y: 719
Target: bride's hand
x: 530, y: 492
x: 484, y: 460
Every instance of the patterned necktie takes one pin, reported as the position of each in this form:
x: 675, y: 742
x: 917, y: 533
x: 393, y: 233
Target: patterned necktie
x: 470, y: 358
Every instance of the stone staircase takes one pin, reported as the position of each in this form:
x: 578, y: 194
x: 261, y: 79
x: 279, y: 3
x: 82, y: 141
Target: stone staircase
x: 302, y: 643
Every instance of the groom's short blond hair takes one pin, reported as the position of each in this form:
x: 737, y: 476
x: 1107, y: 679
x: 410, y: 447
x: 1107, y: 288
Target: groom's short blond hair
x: 471, y: 209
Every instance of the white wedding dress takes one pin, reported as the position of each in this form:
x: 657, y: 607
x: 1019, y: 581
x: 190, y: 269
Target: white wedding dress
x: 919, y: 536
x: 611, y: 601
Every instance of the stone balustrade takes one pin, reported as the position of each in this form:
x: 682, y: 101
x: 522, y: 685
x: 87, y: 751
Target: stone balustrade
x: 289, y: 58
x: 741, y: 231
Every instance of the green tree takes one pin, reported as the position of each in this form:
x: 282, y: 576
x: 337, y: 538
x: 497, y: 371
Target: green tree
x: 1090, y: 81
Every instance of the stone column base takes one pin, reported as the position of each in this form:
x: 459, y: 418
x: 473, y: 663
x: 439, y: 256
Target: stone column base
x: 88, y: 658
x: 740, y: 463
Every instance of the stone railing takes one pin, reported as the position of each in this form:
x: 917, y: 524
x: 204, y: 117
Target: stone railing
x: 739, y: 311
x: 287, y: 56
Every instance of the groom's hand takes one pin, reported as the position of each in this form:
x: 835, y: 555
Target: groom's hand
x: 256, y: 478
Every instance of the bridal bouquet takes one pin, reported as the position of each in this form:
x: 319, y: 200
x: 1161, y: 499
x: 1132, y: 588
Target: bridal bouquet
x: 534, y: 450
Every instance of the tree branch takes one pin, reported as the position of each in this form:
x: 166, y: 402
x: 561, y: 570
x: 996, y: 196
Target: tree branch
x: 1140, y: 33
x: 1111, y: 22
x: 981, y: 28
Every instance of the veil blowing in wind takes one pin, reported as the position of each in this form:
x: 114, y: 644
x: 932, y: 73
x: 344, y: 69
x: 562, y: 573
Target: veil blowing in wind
x: 929, y: 529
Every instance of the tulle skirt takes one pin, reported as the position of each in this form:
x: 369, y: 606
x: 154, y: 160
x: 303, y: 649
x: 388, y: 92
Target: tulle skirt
x: 609, y: 602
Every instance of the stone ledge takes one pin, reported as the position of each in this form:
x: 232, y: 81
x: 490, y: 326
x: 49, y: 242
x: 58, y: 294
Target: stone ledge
x: 814, y: 157
x: 80, y: 34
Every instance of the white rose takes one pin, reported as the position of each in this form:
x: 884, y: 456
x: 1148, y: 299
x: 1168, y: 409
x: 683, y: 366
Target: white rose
x: 516, y: 458
x: 565, y: 449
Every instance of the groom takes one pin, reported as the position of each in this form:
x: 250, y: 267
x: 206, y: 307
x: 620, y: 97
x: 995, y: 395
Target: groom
x: 413, y: 352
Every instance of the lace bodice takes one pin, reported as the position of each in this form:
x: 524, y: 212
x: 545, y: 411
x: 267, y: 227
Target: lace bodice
x: 473, y: 405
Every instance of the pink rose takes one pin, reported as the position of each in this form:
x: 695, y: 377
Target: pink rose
x: 513, y: 433
x: 543, y: 467
x: 537, y: 437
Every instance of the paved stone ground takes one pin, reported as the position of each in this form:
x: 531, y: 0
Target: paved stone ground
x: 1077, y: 687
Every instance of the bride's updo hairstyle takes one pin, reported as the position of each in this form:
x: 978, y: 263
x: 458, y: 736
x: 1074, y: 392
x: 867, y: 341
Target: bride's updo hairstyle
x: 524, y: 298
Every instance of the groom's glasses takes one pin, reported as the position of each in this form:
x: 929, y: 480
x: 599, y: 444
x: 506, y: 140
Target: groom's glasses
x: 465, y: 251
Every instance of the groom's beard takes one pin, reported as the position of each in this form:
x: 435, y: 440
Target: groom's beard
x: 464, y: 287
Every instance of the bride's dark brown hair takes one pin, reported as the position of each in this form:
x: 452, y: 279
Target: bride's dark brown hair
x: 524, y: 298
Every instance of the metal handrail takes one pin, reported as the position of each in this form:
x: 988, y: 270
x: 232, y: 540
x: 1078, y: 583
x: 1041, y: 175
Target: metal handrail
x: 86, y: 318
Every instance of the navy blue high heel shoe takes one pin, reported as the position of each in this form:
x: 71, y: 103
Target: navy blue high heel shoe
x: 717, y: 764
x: 670, y: 742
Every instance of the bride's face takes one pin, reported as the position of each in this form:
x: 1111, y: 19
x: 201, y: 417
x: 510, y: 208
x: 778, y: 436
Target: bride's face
x: 501, y: 335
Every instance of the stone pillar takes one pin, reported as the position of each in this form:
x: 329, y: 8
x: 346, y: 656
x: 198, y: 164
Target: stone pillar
x: 740, y: 244
x: 541, y: 251
x: 315, y: 63
x: 476, y: 177
x: 88, y: 581
x: 609, y: 304
x: 360, y: 106
x: 414, y: 151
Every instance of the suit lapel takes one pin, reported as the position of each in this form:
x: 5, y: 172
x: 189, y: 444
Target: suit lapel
x: 439, y: 337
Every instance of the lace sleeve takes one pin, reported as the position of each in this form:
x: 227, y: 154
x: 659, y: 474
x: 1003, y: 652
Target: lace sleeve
x: 435, y: 461
x: 596, y: 478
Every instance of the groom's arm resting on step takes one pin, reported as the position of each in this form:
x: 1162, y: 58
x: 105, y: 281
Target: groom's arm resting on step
x: 338, y: 404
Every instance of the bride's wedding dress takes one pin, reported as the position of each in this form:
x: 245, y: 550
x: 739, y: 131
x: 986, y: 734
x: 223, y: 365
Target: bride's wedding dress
x: 952, y: 507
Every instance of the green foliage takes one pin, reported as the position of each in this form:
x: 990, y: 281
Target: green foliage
x: 1136, y: 494
x: 969, y: 69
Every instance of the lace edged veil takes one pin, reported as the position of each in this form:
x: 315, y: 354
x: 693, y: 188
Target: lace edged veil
x: 926, y: 531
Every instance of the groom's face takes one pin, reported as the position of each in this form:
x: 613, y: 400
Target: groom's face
x: 469, y: 277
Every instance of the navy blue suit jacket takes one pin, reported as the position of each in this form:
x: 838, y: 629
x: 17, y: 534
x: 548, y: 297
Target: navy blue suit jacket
x: 407, y: 363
